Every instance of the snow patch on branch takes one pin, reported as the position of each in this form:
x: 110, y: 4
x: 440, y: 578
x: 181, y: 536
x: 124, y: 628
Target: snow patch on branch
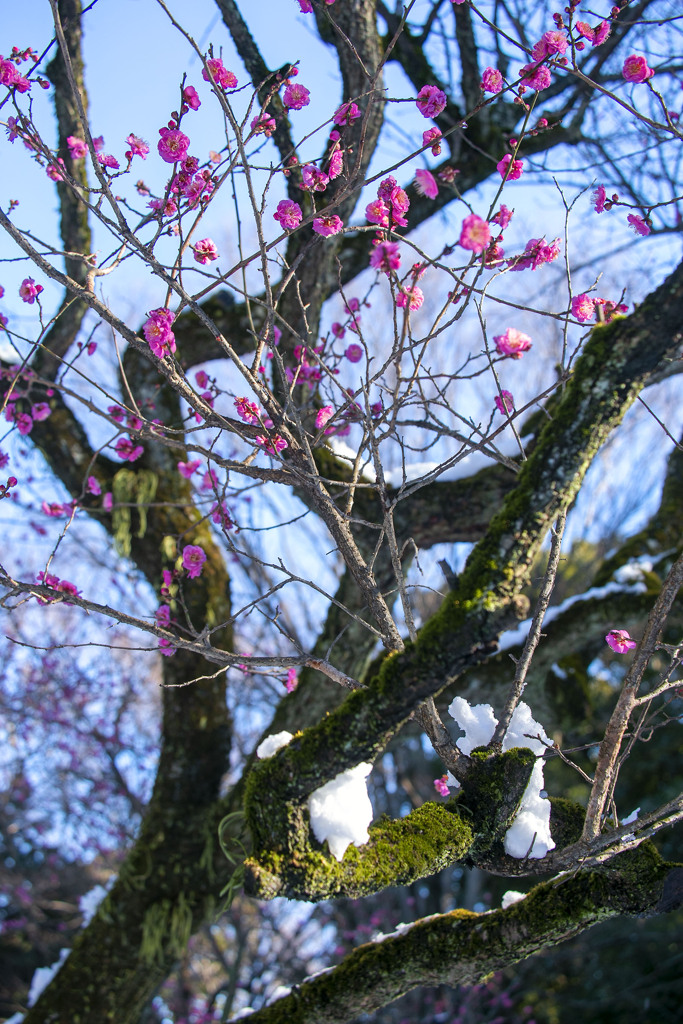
x: 529, y: 834
x: 341, y: 810
x: 271, y: 744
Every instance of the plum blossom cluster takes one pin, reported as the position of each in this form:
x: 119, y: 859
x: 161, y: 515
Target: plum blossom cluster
x: 391, y: 206
x: 22, y: 410
x: 536, y: 252
x: 512, y: 343
x: 584, y: 308
x: 158, y: 332
x: 620, y: 641
x: 47, y: 579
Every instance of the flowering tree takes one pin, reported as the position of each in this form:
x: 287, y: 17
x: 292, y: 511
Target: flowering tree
x: 263, y: 421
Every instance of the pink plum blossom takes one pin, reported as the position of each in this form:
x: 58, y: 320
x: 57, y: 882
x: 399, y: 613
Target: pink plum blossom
x: 328, y: 225
x: 504, y: 402
x: 513, y: 343
x: 599, y: 198
x: 263, y: 124
x: 158, y: 333
x: 29, y: 290
x: 273, y: 444
x: 296, y: 96
x: 107, y: 160
x: 193, y: 560
x: 186, y: 469
x: 138, y: 147
x: 323, y: 416
x: 515, y: 171
x: 127, y: 450
x: 640, y: 226
x: 503, y: 216
x: 425, y: 183
x: 620, y: 641
x: 205, y: 251
x: 430, y: 101
x: 92, y: 486
x: 475, y: 234
x: 172, y: 145
x: 191, y: 97
x: 40, y: 411
x: 491, y: 80
x: 536, y: 253
x: 537, y: 76
x: 223, y: 78
x: 377, y: 212
x: 292, y: 680
x: 549, y: 44
x: 583, y: 307
x: 289, y: 214
x: 413, y: 299
x: 385, y: 256
x: 441, y: 786
x: 354, y: 353
x: 314, y: 180
x: 347, y: 113
x: 635, y: 69
x: 77, y: 147
x: 595, y: 36
x: 24, y: 423
x: 432, y: 137
x: 246, y: 410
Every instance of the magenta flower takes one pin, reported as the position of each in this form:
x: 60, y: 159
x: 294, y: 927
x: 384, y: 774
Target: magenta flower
x: 425, y: 184
x: 346, y: 114
x: 223, y: 78
x: 296, y: 96
x: 314, y: 179
x: 54, y: 171
x: 29, y: 290
x: 24, y: 423
x: 620, y: 641
x: 595, y: 36
x: 354, y: 353
x: 209, y: 480
x: 329, y: 225
x: 172, y: 145
x: 599, y: 198
x: 377, y: 212
x: 138, y: 147
x: 583, y: 307
x: 246, y: 410
x: 220, y: 516
x: 77, y: 147
x: 536, y: 253
x: 430, y: 101
x: 640, y: 226
x: 127, y: 450
x: 413, y: 299
x: 549, y: 44
x: 205, y: 251
x: 432, y: 137
x: 158, y: 333
x: 635, y: 69
x: 503, y: 216
x: 193, y: 560
x: 40, y: 411
x: 513, y: 343
x: 504, y: 402
x: 475, y: 234
x: 323, y: 416
x: 191, y: 97
x: 186, y: 469
x: 536, y: 75
x: 92, y: 486
x: 263, y: 124
x: 491, y: 80
x: 166, y: 647
x: 515, y: 171
x: 441, y: 786
x: 272, y: 444
x: 107, y: 160
x: 385, y: 256
x: 292, y: 680
x: 289, y: 214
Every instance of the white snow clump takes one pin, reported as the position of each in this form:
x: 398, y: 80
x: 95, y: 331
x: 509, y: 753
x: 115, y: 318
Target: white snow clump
x: 510, y: 897
x: 532, y: 824
x: 43, y: 976
x: 341, y: 810
x: 271, y: 744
